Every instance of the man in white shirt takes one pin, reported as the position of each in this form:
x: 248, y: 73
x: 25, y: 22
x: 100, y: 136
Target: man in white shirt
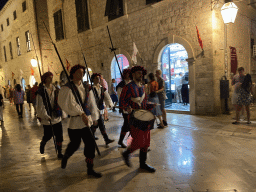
x: 178, y: 85
x: 49, y: 113
x: 84, y: 113
x: 101, y: 95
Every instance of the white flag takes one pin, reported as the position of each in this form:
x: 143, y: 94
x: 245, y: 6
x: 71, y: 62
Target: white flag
x: 134, y: 55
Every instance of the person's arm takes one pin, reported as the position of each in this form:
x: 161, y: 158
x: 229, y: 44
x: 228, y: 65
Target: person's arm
x: 161, y: 84
x: 107, y: 99
x: 92, y: 106
x: 125, y: 98
x: 40, y: 108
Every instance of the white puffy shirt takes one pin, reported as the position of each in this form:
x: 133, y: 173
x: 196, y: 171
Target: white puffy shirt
x: 67, y: 102
x: 41, y: 111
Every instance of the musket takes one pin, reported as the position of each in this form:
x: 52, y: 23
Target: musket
x: 114, y: 50
x: 72, y: 89
x: 47, y: 104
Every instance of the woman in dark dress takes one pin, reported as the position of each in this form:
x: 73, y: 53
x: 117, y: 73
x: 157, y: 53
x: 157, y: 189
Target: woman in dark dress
x: 244, y: 98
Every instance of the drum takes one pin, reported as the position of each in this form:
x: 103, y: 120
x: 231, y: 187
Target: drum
x: 142, y: 119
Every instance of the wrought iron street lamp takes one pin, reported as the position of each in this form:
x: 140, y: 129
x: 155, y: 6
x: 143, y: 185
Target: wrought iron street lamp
x: 229, y: 12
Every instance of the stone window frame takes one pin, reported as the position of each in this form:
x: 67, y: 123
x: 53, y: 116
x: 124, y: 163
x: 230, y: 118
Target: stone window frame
x: 14, y: 15
x: 28, y: 43
x: 149, y: 2
x: 8, y: 21
x: 10, y: 47
x: 5, y: 57
x: 18, y: 46
x: 58, y: 25
x: 85, y: 25
x: 122, y: 11
x: 24, y: 6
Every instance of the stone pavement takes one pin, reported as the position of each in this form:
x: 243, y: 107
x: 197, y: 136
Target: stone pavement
x: 194, y: 153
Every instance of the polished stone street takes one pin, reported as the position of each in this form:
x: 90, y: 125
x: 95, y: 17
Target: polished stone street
x: 194, y: 153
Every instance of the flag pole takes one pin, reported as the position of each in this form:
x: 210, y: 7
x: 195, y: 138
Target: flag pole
x: 69, y: 81
x: 47, y: 104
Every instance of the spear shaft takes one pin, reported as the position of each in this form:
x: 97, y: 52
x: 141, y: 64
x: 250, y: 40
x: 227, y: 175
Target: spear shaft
x: 113, y: 49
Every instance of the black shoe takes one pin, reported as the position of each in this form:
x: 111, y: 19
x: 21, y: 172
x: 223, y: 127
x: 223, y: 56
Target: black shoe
x: 160, y: 127
x: 114, y: 110
x: 122, y: 145
x: 126, y: 158
x: 64, y: 162
x: 96, y: 138
x: 165, y: 123
x: 60, y: 156
x: 42, y: 145
x: 93, y: 173
x: 109, y: 141
x: 147, y: 168
x: 236, y: 122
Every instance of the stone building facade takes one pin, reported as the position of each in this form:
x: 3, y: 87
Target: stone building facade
x: 152, y: 27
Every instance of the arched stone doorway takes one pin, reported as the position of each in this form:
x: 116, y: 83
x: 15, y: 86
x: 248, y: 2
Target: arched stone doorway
x: 157, y: 63
x: 23, y: 84
x: 175, y: 73
x: 123, y: 64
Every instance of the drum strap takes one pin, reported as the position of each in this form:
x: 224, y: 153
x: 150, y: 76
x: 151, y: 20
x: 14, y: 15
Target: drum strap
x: 138, y: 100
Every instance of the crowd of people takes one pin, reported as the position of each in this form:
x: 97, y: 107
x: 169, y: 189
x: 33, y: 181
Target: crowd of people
x: 86, y: 107
x: 140, y: 101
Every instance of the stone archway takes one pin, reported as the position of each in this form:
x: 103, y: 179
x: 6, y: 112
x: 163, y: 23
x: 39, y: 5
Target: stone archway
x: 110, y: 58
x: 171, y: 39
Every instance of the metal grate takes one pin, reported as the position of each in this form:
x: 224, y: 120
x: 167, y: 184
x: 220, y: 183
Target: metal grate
x: 254, y: 51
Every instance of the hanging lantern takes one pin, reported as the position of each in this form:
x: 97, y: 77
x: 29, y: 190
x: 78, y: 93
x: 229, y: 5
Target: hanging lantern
x: 229, y: 12
x: 33, y: 62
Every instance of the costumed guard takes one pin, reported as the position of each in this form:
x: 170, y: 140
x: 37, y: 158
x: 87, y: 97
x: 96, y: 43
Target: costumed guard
x: 119, y: 88
x: 101, y: 95
x: 133, y: 97
x: 48, y: 110
x: 81, y: 118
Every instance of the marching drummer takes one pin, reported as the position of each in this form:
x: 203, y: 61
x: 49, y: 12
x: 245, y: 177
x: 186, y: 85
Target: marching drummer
x: 133, y: 97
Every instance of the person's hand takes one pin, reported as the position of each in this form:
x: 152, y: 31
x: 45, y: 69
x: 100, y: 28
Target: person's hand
x: 129, y: 110
x: 95, y: 123
x: 85, y: 119
x: 49, y: 118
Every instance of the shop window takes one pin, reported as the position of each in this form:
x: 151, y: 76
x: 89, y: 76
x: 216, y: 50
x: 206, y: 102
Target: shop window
x: 10, y: 46
x: 59, y: 33
x: 82, y: 15
x: 152, y: 1
x: 18, y: 46
x: 24, y: 6
x: 115, y: 72
x: 114, y: 9
x: 5, y: 54
x: 7, y: 21
x: 28, y: 41
x: 14, y: 15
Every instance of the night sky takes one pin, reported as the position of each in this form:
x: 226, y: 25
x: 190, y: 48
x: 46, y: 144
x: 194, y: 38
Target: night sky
x: 2, y: 3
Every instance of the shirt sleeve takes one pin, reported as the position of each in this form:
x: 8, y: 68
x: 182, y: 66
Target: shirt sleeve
x: 40, y: 108
x: 93, y: 107
x: 107, y: 99
x: 67, y: 102
x: 125, y: 97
